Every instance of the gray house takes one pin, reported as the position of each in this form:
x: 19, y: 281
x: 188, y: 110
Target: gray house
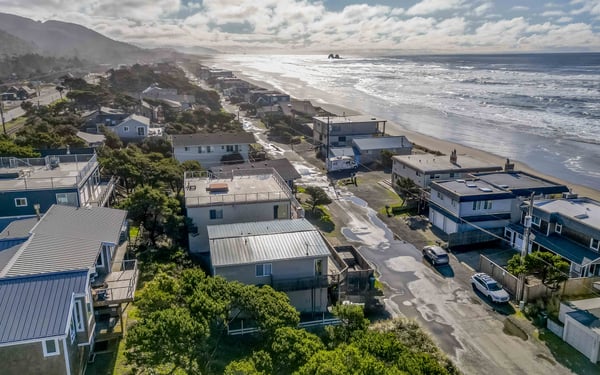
x: 338, y: 131
x: 368, y: 150
x: 289, y: 255
x: 62, y: 284
x: 210, y: 148
x: 133, y: 128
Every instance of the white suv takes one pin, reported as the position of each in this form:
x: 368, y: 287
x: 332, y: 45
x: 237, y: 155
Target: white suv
x: 489, y: 287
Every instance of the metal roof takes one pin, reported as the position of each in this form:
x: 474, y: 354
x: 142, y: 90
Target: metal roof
x: 582, y: 209
x: 198, y: 139
x: 341, y: 151
x: 429, y: 163
x: 8, y: 248
x: 265, y: 248
x: 37, y: 307
x: 18, y: 228
x: 381, y: 143
x: 258, y: 228
x: 94, y: 223
x: 44, y: 253
x: 522, y: 183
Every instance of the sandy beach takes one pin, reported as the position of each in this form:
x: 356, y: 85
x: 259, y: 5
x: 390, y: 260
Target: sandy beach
x: 441, y: 145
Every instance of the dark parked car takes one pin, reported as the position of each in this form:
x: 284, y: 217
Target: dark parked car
x: 436, y: 255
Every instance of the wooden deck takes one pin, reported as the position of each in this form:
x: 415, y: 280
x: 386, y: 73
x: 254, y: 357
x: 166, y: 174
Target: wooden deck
x: 116, y: 288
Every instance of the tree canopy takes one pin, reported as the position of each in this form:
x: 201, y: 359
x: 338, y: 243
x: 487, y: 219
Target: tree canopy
x: 550, y: 268
x: 318, y: 196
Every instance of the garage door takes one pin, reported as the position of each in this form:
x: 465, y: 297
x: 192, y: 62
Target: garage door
x: 580, y: 337
x: 437, y: 219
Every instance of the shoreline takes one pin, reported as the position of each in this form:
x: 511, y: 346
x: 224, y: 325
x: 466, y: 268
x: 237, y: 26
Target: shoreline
x: 441, y: 145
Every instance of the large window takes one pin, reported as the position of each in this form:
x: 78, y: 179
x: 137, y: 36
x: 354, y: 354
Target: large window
x: 263, y: 270
x: 50, y: 348
x: 216, y: 214
x: 141, y: 131
x: 21, y: 202
x: 66, y: 199
x: 485, y: 205
x: 78, y: 314
x: 595, y: 244
x: 72, y: 331
x: 229, y: 148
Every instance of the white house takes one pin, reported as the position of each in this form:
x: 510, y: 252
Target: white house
x: 209, y: 149
x: 249, y: 195
x: 133, y: 128
x: 338, y: 131
x: 423, y: 169
x: 581, y: 329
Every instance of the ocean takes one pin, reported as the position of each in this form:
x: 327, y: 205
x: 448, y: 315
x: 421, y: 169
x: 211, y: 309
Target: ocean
x: 539, y: 109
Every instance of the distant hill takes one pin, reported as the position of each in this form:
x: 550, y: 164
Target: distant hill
x: 62, y: 39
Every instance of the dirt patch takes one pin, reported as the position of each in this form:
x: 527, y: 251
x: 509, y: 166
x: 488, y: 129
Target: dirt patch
x: 546, y: 358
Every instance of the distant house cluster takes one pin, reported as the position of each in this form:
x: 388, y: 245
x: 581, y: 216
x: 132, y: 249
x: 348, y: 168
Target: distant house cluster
x: 18, y: 93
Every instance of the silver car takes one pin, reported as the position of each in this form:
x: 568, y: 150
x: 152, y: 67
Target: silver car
x: 436, y: 255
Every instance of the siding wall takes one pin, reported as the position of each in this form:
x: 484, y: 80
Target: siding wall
x: 45, y: 198
x: 208, y: 159
x: 29, y: 359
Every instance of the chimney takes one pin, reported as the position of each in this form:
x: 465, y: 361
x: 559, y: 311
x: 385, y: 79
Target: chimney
x: 453, y: 157
x: 36, y: 207
x: 508, y: 166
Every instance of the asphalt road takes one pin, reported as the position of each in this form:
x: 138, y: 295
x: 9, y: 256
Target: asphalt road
x: 47, y: 96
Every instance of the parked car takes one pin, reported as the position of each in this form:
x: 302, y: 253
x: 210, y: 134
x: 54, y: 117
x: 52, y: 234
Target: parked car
x: 489, y: 287
x: 436, y: 255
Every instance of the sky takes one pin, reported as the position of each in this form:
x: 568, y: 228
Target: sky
x: 334, y: 25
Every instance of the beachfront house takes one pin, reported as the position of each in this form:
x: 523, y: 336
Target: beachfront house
x: 523, y: 184
x: 134, y: 128
x: 368, y: 150
x: 29, y: 186
x: 289, y: 255
x: 62, y: 287
x: 283, y: 167
x: 424, y: 168
x: 338, y: 131
x: 566, y: 227
x: 462, y: 208
x: 212, y: 149
x: 581, y: 326
x: 249, y: 195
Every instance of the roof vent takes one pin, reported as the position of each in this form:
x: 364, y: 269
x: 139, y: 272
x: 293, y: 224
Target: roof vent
x: 504, y: 186
x: 581, y: 216
x: 485, y: 189
x: 470, y: 184
x: 460, y: 181
x: 218, y: 187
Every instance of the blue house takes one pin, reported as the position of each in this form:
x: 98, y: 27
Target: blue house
x: 30, y: 186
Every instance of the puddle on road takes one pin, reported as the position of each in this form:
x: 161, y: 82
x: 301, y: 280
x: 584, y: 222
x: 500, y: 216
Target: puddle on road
x: 356, y: 200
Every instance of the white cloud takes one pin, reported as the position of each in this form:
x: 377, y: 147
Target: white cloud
x: 553, y: 13
x: 483, y: 8
x: 587, y: 6
x: 519, y: 8
x: 564, y: 19
x: 433, y: 6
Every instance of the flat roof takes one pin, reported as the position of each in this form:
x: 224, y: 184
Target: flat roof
x: 466, y: 188
x: 341, y: 151
x: 378, y: 143
x: 340, y: 120
x: 40, y: 175
x: 249, y: 248
x: 282, y: 166
x: 429, y: 163
x: 582, y: 209
x: 522, y: 183
x: 198, y: 139
x: 244, y: 187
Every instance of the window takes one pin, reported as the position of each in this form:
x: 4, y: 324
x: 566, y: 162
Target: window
x: 418, y: 173
x: 199, y: 149
x: 126, y: 129
x: 440, y: 196
x: 186, y: 148
x: 78, y: 314
x: 595, y: 244
x: 263, y: 270
x: 72, y: 329
x: 476, y: 205
x: 487, y: 205
x: 50, y: 348
x: 558, y: 228
x: 100, y: 259
x: 216, y: 214
x: 67, y: 199
x: 229, y: 148
x: 453, y: 202
x: 21, y: 202
x: 141, y: 131
x: 208, y: 149
x: 342, y: 139
x: 318, y: 267
x: 536, y: 221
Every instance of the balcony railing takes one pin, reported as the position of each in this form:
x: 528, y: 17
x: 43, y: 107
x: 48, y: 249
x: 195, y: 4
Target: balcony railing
x: 117, y: 287
x: 292, y: 284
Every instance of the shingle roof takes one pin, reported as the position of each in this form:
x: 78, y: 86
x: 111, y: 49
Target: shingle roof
x: 212, y: 139
x: 37, y: 307
x: 256, y: 248
x: 283, y: 166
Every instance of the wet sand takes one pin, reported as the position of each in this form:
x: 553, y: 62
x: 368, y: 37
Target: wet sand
x: 441, y: 145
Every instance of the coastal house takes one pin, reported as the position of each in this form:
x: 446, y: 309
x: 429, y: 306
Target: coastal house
x: 211, y: 148
x: 368, y: 150
x: 566, y: 227
x: 250, y: 195
x: 157, y: 93
x: 24, y: 93
x: 29, y: 186
x: 338, y: 131
x: 134, y: 128
x: 283, y: 167
x: 211, y: 74
x: 462, y: 208
x: 581, y: 326
x: 289, y: 255
x: 58, y: 285
x: 104, y: 116
x: 425, y: 168
x: 523, y: 184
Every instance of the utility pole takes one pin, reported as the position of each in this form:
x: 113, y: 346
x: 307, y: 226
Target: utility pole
x: 327, y: 154
x: 525, y: 246
x: 2, y: 116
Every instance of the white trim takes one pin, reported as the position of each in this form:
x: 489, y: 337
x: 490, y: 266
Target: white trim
x: 558, y: 228
x: 45, y: 349
x: 597, y: 244
x: 21, y: 205
x: 31, y: 341
x: 79, y: 321
x: 263, y: 269
x: 67, y: 364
